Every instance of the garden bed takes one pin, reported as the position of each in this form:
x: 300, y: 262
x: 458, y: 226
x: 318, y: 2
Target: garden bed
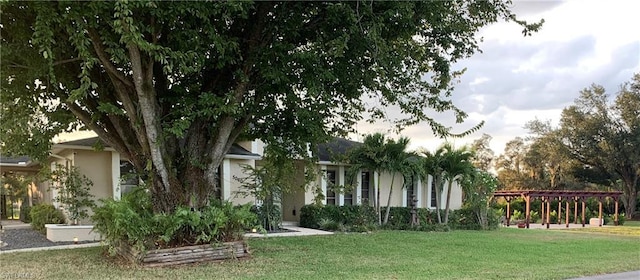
x: 185, y: 255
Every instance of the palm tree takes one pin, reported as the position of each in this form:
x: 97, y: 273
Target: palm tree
x: 395, y: 161
x: 379, y: 154
x: 369, y: 156
x: 456, y: 164
x: 432, y: 164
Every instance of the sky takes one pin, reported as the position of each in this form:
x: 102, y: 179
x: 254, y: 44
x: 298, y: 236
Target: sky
x: 517, y: 79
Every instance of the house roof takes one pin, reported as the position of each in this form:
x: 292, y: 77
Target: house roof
x: 337, y: 146
x: 15, y: 160
x: 87, y: 142
x: 235, y: 150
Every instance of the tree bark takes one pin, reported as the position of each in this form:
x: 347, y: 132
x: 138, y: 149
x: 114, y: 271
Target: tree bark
x: 447, y: 203
x: 378, y: 200
x: 437, y: 179
x: 148, y: 108
x: 386, y: 215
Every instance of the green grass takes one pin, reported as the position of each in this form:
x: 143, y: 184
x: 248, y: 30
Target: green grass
x: 501, y: 254
x: 632, y: 223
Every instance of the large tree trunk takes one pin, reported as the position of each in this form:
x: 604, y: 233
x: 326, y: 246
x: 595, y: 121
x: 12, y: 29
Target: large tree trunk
x: 629, y: 201
x: 386, y: 215
x: 630, y: 197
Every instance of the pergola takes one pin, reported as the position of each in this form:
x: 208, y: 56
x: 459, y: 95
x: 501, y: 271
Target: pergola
x: 558, y: 195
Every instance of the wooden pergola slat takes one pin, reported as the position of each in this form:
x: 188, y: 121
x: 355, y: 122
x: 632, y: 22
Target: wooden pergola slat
x: 547, y: 195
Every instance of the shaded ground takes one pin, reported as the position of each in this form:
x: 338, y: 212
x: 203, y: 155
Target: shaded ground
x: 21, y: 238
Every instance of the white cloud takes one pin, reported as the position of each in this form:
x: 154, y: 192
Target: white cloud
x: 517, y: 79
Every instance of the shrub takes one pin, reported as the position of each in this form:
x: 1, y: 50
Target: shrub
x: 269, y: 216
x: 45, y: 214
x: 310, y: 216
x: 362, y: 218
x: 132, y: 221
x: 25, y: 213
x: 464, y: 218
x: 328, y: 224
x: 74, y: 191
x: 353, y: 217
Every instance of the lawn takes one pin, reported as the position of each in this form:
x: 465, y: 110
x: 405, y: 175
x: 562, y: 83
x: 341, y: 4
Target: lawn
x: 501, y: 254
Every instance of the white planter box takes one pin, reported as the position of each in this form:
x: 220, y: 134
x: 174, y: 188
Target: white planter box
x: 595, y: 221
x: 57, y: 233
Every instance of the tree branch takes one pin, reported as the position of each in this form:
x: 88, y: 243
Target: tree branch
x: 146, y: 98
x: 106, y: 62
x: 60, y: 62
x: 85, y: 117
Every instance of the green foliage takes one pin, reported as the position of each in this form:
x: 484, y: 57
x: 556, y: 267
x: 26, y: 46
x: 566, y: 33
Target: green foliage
x: 621, y: 219
x: 353, y: 217
x: 363, y: 218
x: 25, y: 213
x: 267, y: 184
x: 42, y: 214
x: 479, y: 186
x: 73, y: 191
x: 331, y: 225
x: 131, y: 221
x: 195, y: 76
x: 596, y: 141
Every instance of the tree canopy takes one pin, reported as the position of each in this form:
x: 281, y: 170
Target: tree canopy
x: 172, y: 85
x: 595, y: 145
x: 605, y: 136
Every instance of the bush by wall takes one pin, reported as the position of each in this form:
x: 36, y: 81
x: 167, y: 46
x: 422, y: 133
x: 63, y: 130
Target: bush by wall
x: 25, y: 213
x: 352, y: 217
x: 363, y: 218
x: 42, y: 214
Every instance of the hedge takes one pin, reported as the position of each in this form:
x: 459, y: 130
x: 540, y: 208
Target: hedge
x: 363, y: 218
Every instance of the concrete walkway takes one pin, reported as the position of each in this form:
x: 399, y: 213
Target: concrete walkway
x: 295, y: 231
x: 61, y: 247
x: 630, y: 275
x: 11, y: 224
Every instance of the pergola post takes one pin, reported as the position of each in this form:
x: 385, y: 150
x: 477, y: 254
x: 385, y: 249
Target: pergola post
x: 548, y: 212
x: 542, y: 215
x: 566, y: 219
x: 508, y: 210
x: 559, y: 210
x: 599, y: 211
x: 615, y: 217
x: 583, y: 207
x: 575, y: 210
x: 528, y: 200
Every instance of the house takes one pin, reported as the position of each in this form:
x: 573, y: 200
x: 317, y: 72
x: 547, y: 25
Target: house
x: 106, y: 169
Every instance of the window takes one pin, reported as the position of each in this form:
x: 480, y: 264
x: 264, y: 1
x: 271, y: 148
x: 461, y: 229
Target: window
x: 331, y: 183
x: 348, y: 196
x: 128, y: 177
x: 433, y: 193
x: 364, y: 185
